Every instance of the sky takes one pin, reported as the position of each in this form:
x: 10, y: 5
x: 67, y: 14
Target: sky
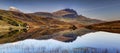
x: 96, y: 9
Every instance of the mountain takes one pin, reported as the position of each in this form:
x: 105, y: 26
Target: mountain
x: 41, y: 25
x: 112, y: 26
x: 69, y: 15
x: 66, y: 13
x: 14, y: 18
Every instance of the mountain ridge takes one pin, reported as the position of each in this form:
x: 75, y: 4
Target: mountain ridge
x: 29, y: 19
x: 69, y: 15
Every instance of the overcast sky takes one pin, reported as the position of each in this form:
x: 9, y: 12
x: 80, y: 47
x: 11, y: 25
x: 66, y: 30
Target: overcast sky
x: 98, y: 9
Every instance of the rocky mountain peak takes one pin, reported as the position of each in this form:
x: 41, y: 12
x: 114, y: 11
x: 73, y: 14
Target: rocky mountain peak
x: 71, y: 13
x: 70, y: 10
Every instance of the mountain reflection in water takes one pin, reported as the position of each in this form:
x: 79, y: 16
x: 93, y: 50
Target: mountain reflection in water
x: 88, y: 43
x: 65, y: 35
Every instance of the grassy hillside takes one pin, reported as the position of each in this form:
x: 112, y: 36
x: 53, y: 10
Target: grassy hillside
x: 7, y: 18
x: 11, y: 18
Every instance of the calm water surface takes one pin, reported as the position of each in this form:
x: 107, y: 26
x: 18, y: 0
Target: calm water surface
x: 102, y: 42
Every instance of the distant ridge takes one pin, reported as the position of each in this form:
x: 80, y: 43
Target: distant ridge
x: 45, y: 14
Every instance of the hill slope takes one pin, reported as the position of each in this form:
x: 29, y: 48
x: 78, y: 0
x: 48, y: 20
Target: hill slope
x: 113, y: 26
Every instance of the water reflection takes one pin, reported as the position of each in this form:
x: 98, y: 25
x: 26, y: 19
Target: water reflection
x: 10, y: 36
x: 89, y: 43
x: 71, y: 35
x: 65, y: 35
x: 52, y: 40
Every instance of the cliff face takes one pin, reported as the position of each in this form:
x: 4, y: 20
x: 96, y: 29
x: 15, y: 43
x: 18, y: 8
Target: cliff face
x: 66, y: 13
